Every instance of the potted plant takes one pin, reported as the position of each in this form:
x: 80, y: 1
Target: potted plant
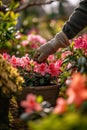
x: 40, y: 79
x: 72, y: 101
x: 56, y: 70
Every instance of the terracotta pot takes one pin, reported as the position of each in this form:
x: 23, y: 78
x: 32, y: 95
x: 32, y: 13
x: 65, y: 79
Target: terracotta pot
x: 49, y: 93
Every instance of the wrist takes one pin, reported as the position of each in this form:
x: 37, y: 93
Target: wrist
x: 62, y: 39
x: 59, y: 41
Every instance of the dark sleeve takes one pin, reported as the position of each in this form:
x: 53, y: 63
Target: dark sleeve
x: 77, y: 21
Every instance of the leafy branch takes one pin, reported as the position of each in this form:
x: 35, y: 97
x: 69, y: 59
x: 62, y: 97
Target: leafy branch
x: 28, y: 4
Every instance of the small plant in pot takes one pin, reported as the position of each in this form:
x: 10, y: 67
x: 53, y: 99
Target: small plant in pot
x: 40, y: 79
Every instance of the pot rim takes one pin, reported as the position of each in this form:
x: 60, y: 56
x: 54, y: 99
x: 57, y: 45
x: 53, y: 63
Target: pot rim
x: 43, y: 87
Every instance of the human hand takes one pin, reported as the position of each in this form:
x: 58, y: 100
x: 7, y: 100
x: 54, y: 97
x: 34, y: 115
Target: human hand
x: 42, y: 53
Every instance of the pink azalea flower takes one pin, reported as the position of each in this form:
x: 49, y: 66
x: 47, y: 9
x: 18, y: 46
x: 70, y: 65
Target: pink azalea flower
x: 36, y: 67
x: 15, y: 61
x: 58, y: 64
x: 36, y: 38
x: 77, y: 91
x: 25, y: 43
x: 63, y: 55
x: 78, y: 42
x: 24, y: 61
x: 41, y: 68
x: 61, y: 106
x: 6, y: 56
x: 51, y: 58
x: 30, y: 104
x: 81, y: 43
x: 54, y: 68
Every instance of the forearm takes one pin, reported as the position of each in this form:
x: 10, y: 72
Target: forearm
x: 77, y: 21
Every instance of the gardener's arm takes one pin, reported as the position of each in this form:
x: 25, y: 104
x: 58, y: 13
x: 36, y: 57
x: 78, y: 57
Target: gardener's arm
x: 77, y: 21
x: 72, y: 27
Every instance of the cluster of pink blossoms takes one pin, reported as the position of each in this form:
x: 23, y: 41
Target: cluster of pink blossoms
x: 52, y: 68
x: 33, y: 41
x: 81, y: 43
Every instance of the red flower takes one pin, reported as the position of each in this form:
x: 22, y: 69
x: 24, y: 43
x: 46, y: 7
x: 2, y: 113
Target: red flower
x: 81, y: 43
x: 30, y: 104
x: 41, y: 68
x: 54, y: 68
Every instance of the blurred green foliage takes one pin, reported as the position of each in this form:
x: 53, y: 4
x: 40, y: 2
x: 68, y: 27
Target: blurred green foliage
x: 8, y: 21
x: 70, y: 121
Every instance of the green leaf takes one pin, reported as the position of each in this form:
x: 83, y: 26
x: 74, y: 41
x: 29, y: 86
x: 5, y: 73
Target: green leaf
x: 42, y: 81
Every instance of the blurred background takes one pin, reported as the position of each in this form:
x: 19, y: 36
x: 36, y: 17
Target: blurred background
x: 42, y: 17
x: 47, y: 16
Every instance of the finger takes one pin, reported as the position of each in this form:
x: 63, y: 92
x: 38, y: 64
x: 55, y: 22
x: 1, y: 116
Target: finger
x: 42, y: 58
x: 36, y: 55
